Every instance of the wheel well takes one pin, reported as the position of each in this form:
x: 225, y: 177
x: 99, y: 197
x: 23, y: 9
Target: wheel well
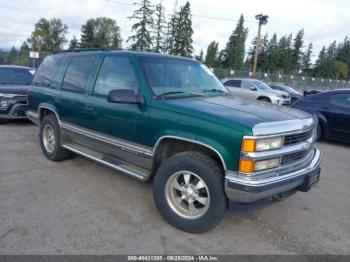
x: 263, y: 97
x: 44, y: 112
x: 170, y: 146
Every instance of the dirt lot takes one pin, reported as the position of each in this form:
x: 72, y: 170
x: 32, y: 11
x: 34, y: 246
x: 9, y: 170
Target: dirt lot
x: 80, y: 207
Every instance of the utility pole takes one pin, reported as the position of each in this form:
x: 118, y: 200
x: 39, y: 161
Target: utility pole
x: 262, y: 21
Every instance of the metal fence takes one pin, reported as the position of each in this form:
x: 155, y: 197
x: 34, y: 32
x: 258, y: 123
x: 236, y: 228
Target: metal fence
x: 299, y: 82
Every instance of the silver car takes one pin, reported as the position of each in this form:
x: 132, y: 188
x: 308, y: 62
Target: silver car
x: 257, y: 90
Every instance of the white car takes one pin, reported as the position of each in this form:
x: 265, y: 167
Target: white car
x: 256, y: 90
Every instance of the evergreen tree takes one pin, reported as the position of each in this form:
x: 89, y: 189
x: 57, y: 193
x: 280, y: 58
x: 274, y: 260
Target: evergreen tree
x: 171, y: 31
x: 212, y: 54
x: 296, y: 52
x: 142, y: 38
x: 200, y: 57
x: 182, y: 39
x: 159, y: 27
x: 285, y: 57
x: 87, y: 39
x: 344, y: 53
x: 272, y: 54
x: 306, y: 59
x: 73, y: 43
x: 100, y: 32
x: 235, y: 47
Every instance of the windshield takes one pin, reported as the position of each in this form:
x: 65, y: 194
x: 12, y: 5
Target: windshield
x: 261, y: 85
x: 15, y: 76
x: 168, y: 76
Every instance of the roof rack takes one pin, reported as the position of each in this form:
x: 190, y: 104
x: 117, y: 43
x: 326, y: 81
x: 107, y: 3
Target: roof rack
x: 100, y: 49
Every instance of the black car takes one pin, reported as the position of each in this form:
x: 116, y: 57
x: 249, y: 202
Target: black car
x: 311, y: 92
x: 332, y: 109
x: 14, y: 83
x: 294, y: 94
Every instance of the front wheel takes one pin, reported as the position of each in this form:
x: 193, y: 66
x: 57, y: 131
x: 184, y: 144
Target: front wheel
x: 265, y: 99
x: 188, y: 190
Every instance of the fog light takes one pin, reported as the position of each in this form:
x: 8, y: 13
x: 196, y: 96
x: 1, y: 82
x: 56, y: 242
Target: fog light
x: 3, y: 104
x: 266, y: 164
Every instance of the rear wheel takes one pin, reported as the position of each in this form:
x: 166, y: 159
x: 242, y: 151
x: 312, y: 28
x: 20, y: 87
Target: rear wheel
x: 188, y: 190
x: 50, y: 139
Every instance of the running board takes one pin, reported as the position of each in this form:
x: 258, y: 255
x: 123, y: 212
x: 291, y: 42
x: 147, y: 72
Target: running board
x: 112, y: 162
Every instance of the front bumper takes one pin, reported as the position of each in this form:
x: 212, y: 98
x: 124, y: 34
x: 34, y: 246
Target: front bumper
x: 248, y: 191
x: 14, y: 110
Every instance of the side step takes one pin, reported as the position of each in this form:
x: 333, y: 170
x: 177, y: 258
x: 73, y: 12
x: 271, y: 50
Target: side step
x: 112, y: 162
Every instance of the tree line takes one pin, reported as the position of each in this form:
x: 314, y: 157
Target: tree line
x: 154, y: 30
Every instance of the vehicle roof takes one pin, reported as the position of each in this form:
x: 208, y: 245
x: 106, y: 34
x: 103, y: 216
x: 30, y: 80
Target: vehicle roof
x: 16, y: 66
x: 339, y: 90
x: 240, y: 78
x: 125, y: 51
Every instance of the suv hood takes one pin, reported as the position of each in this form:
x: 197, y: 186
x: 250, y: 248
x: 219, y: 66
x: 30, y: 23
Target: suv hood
x: 14, y: 89
x: 276, y: 92
x: 234, y: 110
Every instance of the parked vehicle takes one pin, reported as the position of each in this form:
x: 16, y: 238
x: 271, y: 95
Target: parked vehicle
x: 170, y: 120
x: 14, y: 82
x: 294, y: 94
x: 256, y: 90
x: 311, y: 92
x: 332, y: 109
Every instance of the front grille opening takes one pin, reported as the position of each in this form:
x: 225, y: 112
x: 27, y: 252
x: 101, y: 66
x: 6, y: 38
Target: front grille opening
x: 297, y: 138
x: 293, y: 157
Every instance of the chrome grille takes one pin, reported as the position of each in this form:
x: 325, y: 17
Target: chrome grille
x: 293, y: 157
x: 297, y: 138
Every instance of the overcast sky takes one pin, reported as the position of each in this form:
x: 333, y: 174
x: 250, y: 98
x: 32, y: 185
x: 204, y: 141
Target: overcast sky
x: 322, y: 20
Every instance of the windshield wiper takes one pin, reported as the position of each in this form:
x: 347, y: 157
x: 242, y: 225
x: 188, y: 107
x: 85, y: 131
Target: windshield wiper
x: 214, y: 90
x: 180, y: 92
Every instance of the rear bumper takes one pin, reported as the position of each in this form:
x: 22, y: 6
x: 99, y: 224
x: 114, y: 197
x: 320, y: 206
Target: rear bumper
x: 248, y: 191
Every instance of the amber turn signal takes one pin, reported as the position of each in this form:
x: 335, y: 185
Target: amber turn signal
x: 248, y: 145
x: 246, y: 166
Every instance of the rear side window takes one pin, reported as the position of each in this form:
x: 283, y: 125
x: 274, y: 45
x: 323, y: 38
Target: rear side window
x: 341, y: 100
x: 115, y: 73
x: 233, y: 83
x: 47, y: 71
x: 78, y: 73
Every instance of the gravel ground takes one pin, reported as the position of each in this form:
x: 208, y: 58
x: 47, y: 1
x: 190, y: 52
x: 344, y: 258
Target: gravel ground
x: 80, y: 207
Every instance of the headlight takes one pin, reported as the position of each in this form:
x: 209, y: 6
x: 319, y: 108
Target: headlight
x: 8, y: 95
x: 261, y: 144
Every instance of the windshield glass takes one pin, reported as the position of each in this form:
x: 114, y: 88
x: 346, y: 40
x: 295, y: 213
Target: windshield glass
x: 178, y: 76
x: 261, y: 85
x: 15, y: 76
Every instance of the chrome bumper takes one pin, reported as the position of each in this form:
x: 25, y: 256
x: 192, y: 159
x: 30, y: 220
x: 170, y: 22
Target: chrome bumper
x: 248, y: 191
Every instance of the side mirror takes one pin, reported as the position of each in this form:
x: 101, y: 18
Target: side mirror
x: 124, y: 96
x: 253, y: 88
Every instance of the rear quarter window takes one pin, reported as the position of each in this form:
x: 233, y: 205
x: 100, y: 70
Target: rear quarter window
x: 48, y: 70
x: 233, y: 83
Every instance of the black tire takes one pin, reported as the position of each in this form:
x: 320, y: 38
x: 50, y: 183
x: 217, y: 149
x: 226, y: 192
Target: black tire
x: 58, y: 153
x: 213, y: 176
x: 265, y: 99
x: 2, y: 121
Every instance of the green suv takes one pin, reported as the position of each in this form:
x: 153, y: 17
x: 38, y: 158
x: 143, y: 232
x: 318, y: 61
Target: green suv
x: 169, y: 120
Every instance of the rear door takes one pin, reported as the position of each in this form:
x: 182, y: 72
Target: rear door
x: 71, y: 102
x: 337, y: 112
